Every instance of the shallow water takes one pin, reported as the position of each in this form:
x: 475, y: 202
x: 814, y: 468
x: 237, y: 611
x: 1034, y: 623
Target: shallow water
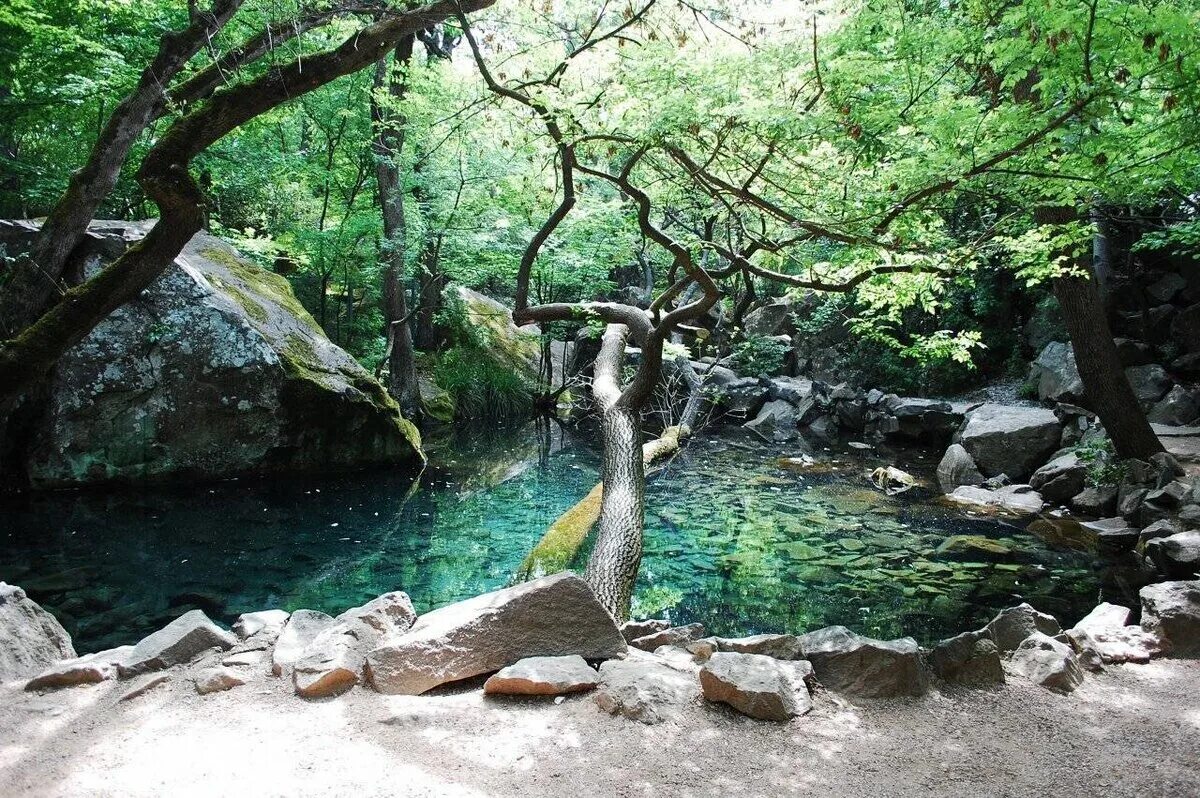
x: 734, y: 540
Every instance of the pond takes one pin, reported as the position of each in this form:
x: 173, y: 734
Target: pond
x: 737, y: 538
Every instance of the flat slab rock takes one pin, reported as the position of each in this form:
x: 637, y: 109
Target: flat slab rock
x: 778, y: 646
x: 672, y: 636
x: 180, y: 641
x: 553, y: 616
x: 758, y: 686
x: 850, y: 663
x: 644, y: 690
x: 1105, y: 633
x: 31, y: 639
x: 543, y: 676
x: 101, y: 666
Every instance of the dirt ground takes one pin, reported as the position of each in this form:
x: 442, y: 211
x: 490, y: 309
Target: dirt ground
x: 1133, y: 730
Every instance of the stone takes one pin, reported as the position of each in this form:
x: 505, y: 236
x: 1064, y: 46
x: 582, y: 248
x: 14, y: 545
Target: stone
x: 88, y: 669
x: 773, y: 318
x: 776, y: 422
x: 973, y: 547
x: 970, y: 658
x: 218, y: 679
x: 921, y: 420
x: 646, y: 691
x: 1007, y: 439
x: 1011, y: 626
x: 1166, y: 288
x: 892, y: 480
x: 1132, y: 353
x: 1063, y: 533
x: 214, y: 370
x: 1018, y: 499
x: 543, y: 676
x: 1056, y: 374
x: 298, y: 633
x: 1113, y: 535
x: 675, y: 635
x: 785, y: 647
x: 1060, y: 479
x: 1171, y: 610
x: 1163, y: 528
x: 1048, y: 662
x: 179, y: 642
x: 31, y: 639
x: 1176, y: 556
x: 1106, y: 632
x: 631, y: 630
x: 756, y: 685
x: 1095, y: 501
x: 1178, y: 408
x: 553, y: 616
x: 743, y: 397
x: 1185, y: 329
x: 957, y: 469
x: 389, y: 614
x: 1150, y: 382
x: 330, y: 664
x: 678, y: 657
x: 858, y: 665
x: 145, y: 685
x: 243, y: 659
x: 249, y: 624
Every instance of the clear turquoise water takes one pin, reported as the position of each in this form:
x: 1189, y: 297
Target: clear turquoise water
x: 733, y: 540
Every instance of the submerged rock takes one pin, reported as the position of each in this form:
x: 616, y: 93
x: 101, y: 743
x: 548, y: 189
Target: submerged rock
x: 543, y: 676
x: 30, y: 638
x: 1171, y: 610
x: 644, y: 690
x: 1019, y: 499
x: 554, y: 616
x: 180, y: 641
x: 215, y: 369
x: 756, y: 685
x: 850, y: 663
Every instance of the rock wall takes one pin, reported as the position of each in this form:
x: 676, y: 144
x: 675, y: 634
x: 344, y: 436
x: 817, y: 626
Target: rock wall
x: 215, y: 370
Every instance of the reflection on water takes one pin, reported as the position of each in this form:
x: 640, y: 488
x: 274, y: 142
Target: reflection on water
x: 733, y: 540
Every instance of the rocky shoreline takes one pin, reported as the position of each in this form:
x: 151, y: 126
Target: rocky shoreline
x: 550, y: 637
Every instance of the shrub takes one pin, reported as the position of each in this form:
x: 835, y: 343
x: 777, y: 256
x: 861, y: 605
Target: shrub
x: 758, y: 354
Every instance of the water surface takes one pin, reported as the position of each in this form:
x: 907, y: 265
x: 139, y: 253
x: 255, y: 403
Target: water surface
x: 734, y: 539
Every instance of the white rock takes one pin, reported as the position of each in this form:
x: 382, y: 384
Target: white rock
x: 213, y: 680
x: 543, y: 676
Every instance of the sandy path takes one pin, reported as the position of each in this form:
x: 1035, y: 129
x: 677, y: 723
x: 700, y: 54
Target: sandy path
x: 1134, y: 730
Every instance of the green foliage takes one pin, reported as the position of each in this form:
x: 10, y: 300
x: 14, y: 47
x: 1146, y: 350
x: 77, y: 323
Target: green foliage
x: 1103, y: 467
x: 759, y: 354
x: 480, y: 387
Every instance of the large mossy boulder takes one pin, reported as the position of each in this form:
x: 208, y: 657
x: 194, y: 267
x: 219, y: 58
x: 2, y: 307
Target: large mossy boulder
x: 215, y: 370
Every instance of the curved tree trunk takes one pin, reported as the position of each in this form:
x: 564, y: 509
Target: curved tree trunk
x: 37, y: 278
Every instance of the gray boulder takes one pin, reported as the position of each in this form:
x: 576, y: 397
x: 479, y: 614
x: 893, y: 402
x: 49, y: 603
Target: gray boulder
x: 756, y: 685
x: 214, y: 370
x: 927, y: 420
x: 1150, y: 382
x: 300, y: 630
x: 1178, y: 408
x: 30, y: 638
x: 1006, y: 439
x: 631, y: 630
x: 671, y: 636
x: 543, y: 676
x: 1166, y: 288
x: 180, y: 641
x: 786, y: 647
x: 1056, y: 374
x: 1171, y: 610
x: 1159, y: 529
x: 774, y: 318
x: 1178, y: 555
x: 1095, y: 501
x: 957, y: 469
x: 970, y: 658
x: 776, y: 422
x: 1060, y: 479
x: 268, y: 622
x: 1013, y: 625
x: 1185, y: 329
x: 1048, y: 662
x: 858, y: 665
x: 553, y: 616
x: 743, y: 397
x: 644, y: 690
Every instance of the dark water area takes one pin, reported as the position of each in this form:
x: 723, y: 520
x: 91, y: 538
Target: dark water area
x: 735, y: 539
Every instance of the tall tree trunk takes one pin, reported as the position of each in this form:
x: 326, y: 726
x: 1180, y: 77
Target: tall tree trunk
x: 37, y: 278
x: 1105, y: 386
x: 613, y: 566
x: 389, y: 144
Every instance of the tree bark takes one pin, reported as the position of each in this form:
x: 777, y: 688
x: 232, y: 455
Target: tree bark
x: 389, y: 143
x: 37, y: 278
x: 1105, y: 386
